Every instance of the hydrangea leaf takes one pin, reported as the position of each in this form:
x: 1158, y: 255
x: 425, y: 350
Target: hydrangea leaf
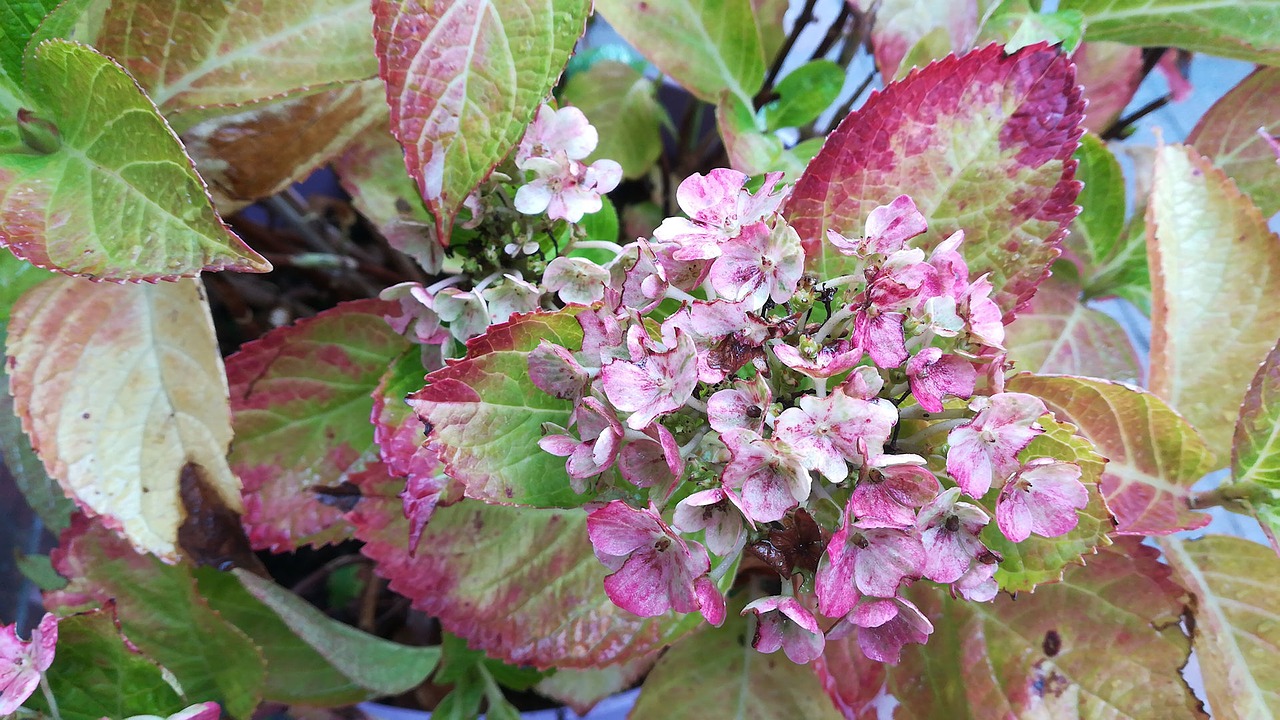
x: 851, y: 679
x: 146, y: 402
x: 750, y: 149
x: 1154, y: 456
x: 901, y: 24
x: 1110, y: 74
x: 163, y: 613
x: 1228, y: 133
x: 95, y: 674
x: 486, y: 415
x: 119, y: 200
x: 1103, y: 643
x: 464, y: 79
x: 16, y: 278
x: 769, y: 18
x: 1233, y: 582
x: 300, y: 402
x: 1058, y: 333
x: 521, y: 584
x: 709, y: 47
x: 259, y: 151
x: 622, y: 104
x: 582, y: 689
x: 1111, y: 260
x: 18, y: 21
x: 1255, y: 451
x: 803, y: 94
x: 982, y: 142
x: 191, y: 54
x: 1243, y: 30
x: 747, y: 685
x: 1017, y: 24
x: 1038, y: 560
x: 1213, y: 302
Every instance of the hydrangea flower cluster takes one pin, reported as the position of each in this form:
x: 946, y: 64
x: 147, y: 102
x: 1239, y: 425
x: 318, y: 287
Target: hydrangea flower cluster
x: 725, y: 398
x: 23, y: 663
x: 552, y: 150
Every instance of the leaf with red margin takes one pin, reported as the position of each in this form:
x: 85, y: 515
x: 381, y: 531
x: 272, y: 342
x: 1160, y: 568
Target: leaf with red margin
x: 852, y: 681
x: 121, y: 390
x: 1154, y: 455
x: 1110, y: 74
x: 300, y: 402
x: 1058, y: 333
x: 163, y: 613
x: 119, y: 199
x: 1255, y: 450
x: 464, y: 79
x: 1228, y: 133
x: 521, y: 584
x: 1215, y: 277
x: 900, y: 24
x: 486, y: 415
x: 1103, y: 643
x: 982, y: 142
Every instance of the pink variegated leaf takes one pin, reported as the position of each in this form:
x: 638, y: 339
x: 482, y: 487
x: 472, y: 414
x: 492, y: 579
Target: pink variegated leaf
x: 851, y: 679
x: 463, y: 79
x: 1058, y: 334
x: 1228, y: 134
x: 982, y: 143
x: 950, y: 25
x: 291, y: 387
x: 1110, y: 74
x: 1154, y: 455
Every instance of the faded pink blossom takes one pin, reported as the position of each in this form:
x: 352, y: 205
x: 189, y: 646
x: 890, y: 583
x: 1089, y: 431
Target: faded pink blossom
x: 953, y: 271
x: 983, y: 315
x: 653, y: 461
x: 829, y: 361
x: 886, y: 626
x: 979, y: 583
x: 986, y: 448
x: 466, y: 312
x: 903, y: 281
x: 718, y: 207
x: 768, y: 475
x: 949, y: 531
x: 601, y: 438
x: 865, y: 383
x: 510, y: 296
x: 726, y: 335
x: 575, y: 280
x: 566, y: 189
x: 557, y: 373
x: 23, y: 662
x: 416, y: 314
x: 652, y: 569
x: 880, y: 335
x: 1042, y: 499
x: 934, y: 376
x: 602, y: 334
x: 639, y: 275
x: 760, y: 264
x: 783, y: 623
x: 894, y: 486
x: 887, y: 230
x: 553, y: 131
x: 865, y: 561
x: 200, y: 711
x: 743, y: 405
x: 654, y: 382
x: 717, y: 512
x: 825, y: 431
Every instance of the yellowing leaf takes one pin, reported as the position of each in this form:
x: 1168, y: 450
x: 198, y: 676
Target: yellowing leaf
x: 1237, y: 615
x: 1215, y: 272
x: 1058, y: 333
x: 121, y: 387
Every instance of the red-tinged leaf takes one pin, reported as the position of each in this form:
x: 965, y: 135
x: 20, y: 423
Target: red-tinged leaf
x: 464, y: 79
x: 486, y: 415
x: 982, y: 142
x: 1110, y: 74
x: 118, y: 199
x: 1255, y: 450
x: 300, y: 398
x: 900, y: 24
x: 719, y: 664
x: 1228, y: 133
x: 852, y: 681
x: 1103, y: 643
x: 1233, y: 581
x: 521, y: 584
x: 257, y: 152
x: 121, y: 388
x: 1058, y: 334
x: 1154, y: 456
x: 582, y: 689
x: 1215, y: 276
x: 191, y: 54
x: 163, y: 613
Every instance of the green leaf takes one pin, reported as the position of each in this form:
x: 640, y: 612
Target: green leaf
x: 18, y: 21
x: 1242, y: 29
x: 39, y: 570
x: 622, y: 104
x: 752, y: 150
x: 1255, y: 449
x: 582, y: 689
x: 486, y: 415
x: 748, y: 685
x: 1228, y: 133
x: 463, y: 702
x: 164, y: 614
x: 464, y: 79
x: 803, y: 94
x: 16, y: 277
x: 1016, y: 25
x: 1103, y: 643
x: 300, y: 404
x: 1154, y: 456
x: 1113, y: 261
x: 1233, y: 582
x: 119, y: 200
x: 191, y: 54
x: 1213, y: 316
x: 709, y: 47
x: 1057, y: 333
x: 96, y: 675
x: 1038, y: 560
